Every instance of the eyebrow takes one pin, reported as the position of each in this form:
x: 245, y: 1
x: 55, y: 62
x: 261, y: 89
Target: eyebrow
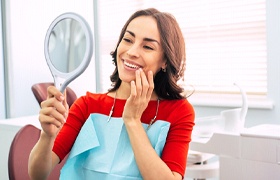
x: 145, y: 39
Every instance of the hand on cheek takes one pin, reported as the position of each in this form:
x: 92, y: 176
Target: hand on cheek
x: 140, y: 95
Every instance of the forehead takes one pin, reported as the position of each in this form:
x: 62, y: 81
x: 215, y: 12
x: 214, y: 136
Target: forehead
x: 144, y: 27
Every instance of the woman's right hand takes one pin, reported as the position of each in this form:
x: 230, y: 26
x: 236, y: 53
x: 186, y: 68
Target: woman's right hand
x: 54, y: 112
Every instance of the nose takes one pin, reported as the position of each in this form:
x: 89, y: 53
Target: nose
x: 133, y: 51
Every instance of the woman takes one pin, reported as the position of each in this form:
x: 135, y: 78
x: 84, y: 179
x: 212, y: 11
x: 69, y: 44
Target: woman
x: 140, y: 129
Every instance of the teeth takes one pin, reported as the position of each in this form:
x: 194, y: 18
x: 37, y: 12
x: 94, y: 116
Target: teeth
x: 131, y: 65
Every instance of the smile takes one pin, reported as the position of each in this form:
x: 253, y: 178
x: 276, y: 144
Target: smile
x: 131, y: 65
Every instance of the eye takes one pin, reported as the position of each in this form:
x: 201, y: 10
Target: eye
x: 127, y: 40
x: 148, y: 47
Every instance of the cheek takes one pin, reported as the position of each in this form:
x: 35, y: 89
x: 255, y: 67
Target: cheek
x: 155, y: 68
x: 121, y: 47
x: 119, y: 52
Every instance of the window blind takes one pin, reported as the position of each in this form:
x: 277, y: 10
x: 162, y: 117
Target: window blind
x: 225, y: 41
x: 112, y: 16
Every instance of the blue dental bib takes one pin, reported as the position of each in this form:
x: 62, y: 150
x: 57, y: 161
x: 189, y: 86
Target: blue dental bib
x: 102, y: 150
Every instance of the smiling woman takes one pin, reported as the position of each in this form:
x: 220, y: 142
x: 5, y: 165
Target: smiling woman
x: 143, y: 118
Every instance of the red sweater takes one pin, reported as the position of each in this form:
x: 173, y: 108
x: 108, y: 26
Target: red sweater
x: 179, y: 113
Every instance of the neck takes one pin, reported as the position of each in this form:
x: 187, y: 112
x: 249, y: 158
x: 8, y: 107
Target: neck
x: 124, y: 91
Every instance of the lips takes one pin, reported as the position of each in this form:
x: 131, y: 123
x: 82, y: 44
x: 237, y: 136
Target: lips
x: 130, y: 65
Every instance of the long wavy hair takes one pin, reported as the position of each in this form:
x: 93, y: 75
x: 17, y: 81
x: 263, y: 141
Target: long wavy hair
x: 173, y: 46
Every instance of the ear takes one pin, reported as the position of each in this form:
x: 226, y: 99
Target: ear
x: 164, y: 65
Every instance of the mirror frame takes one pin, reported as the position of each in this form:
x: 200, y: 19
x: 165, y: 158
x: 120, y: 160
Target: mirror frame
x: 61, y: 79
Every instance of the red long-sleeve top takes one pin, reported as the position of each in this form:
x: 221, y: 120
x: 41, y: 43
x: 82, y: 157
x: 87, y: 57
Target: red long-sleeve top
x: 179, y: 113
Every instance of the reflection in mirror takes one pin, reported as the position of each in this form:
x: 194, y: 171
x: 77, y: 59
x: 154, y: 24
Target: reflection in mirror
x: 68, y: 48
x: 67, y: 45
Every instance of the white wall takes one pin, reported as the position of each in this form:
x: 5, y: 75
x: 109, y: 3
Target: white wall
x: 28, y: 23
x: 261, y: 116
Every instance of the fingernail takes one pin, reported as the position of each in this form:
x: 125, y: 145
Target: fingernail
x: 61, y: 98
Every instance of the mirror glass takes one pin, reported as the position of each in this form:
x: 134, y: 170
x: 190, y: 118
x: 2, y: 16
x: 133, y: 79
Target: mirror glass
x: 68, y: 48
x: 67, y: 45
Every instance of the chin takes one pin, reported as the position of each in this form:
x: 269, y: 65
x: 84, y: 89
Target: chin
x: 127, y: 80
x: 126, y: 77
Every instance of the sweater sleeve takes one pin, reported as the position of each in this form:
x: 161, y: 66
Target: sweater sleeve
x: 177, y: 143
x: 65, y: 139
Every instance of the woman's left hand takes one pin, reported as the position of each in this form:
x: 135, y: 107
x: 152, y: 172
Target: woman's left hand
x: 140, y: 95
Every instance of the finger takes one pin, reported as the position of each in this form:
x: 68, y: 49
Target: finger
x: 54, y: 92
x: 48, y: 102
x: 65, y: 104
x: 51, y: 116
x: 133, y: 91
x: 151, y: 84
x: 138, y: 82
x: 50, y: 111
x: 52, y: 104
x: 50, y: 121
x: 145, y: 83
x: 61, y: 108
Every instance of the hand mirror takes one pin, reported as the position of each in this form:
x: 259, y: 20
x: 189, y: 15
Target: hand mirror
x: 68, y: 48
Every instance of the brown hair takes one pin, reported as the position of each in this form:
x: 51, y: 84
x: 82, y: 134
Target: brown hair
x: 173, y: 46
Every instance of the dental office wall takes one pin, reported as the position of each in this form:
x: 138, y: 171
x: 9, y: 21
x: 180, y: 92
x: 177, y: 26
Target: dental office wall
x: 26, y: 26
x: 262, y: 115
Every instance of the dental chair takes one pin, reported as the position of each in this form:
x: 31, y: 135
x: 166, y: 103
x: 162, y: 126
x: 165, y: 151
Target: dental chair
x: 20, y: 148
x: 40, y: 92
